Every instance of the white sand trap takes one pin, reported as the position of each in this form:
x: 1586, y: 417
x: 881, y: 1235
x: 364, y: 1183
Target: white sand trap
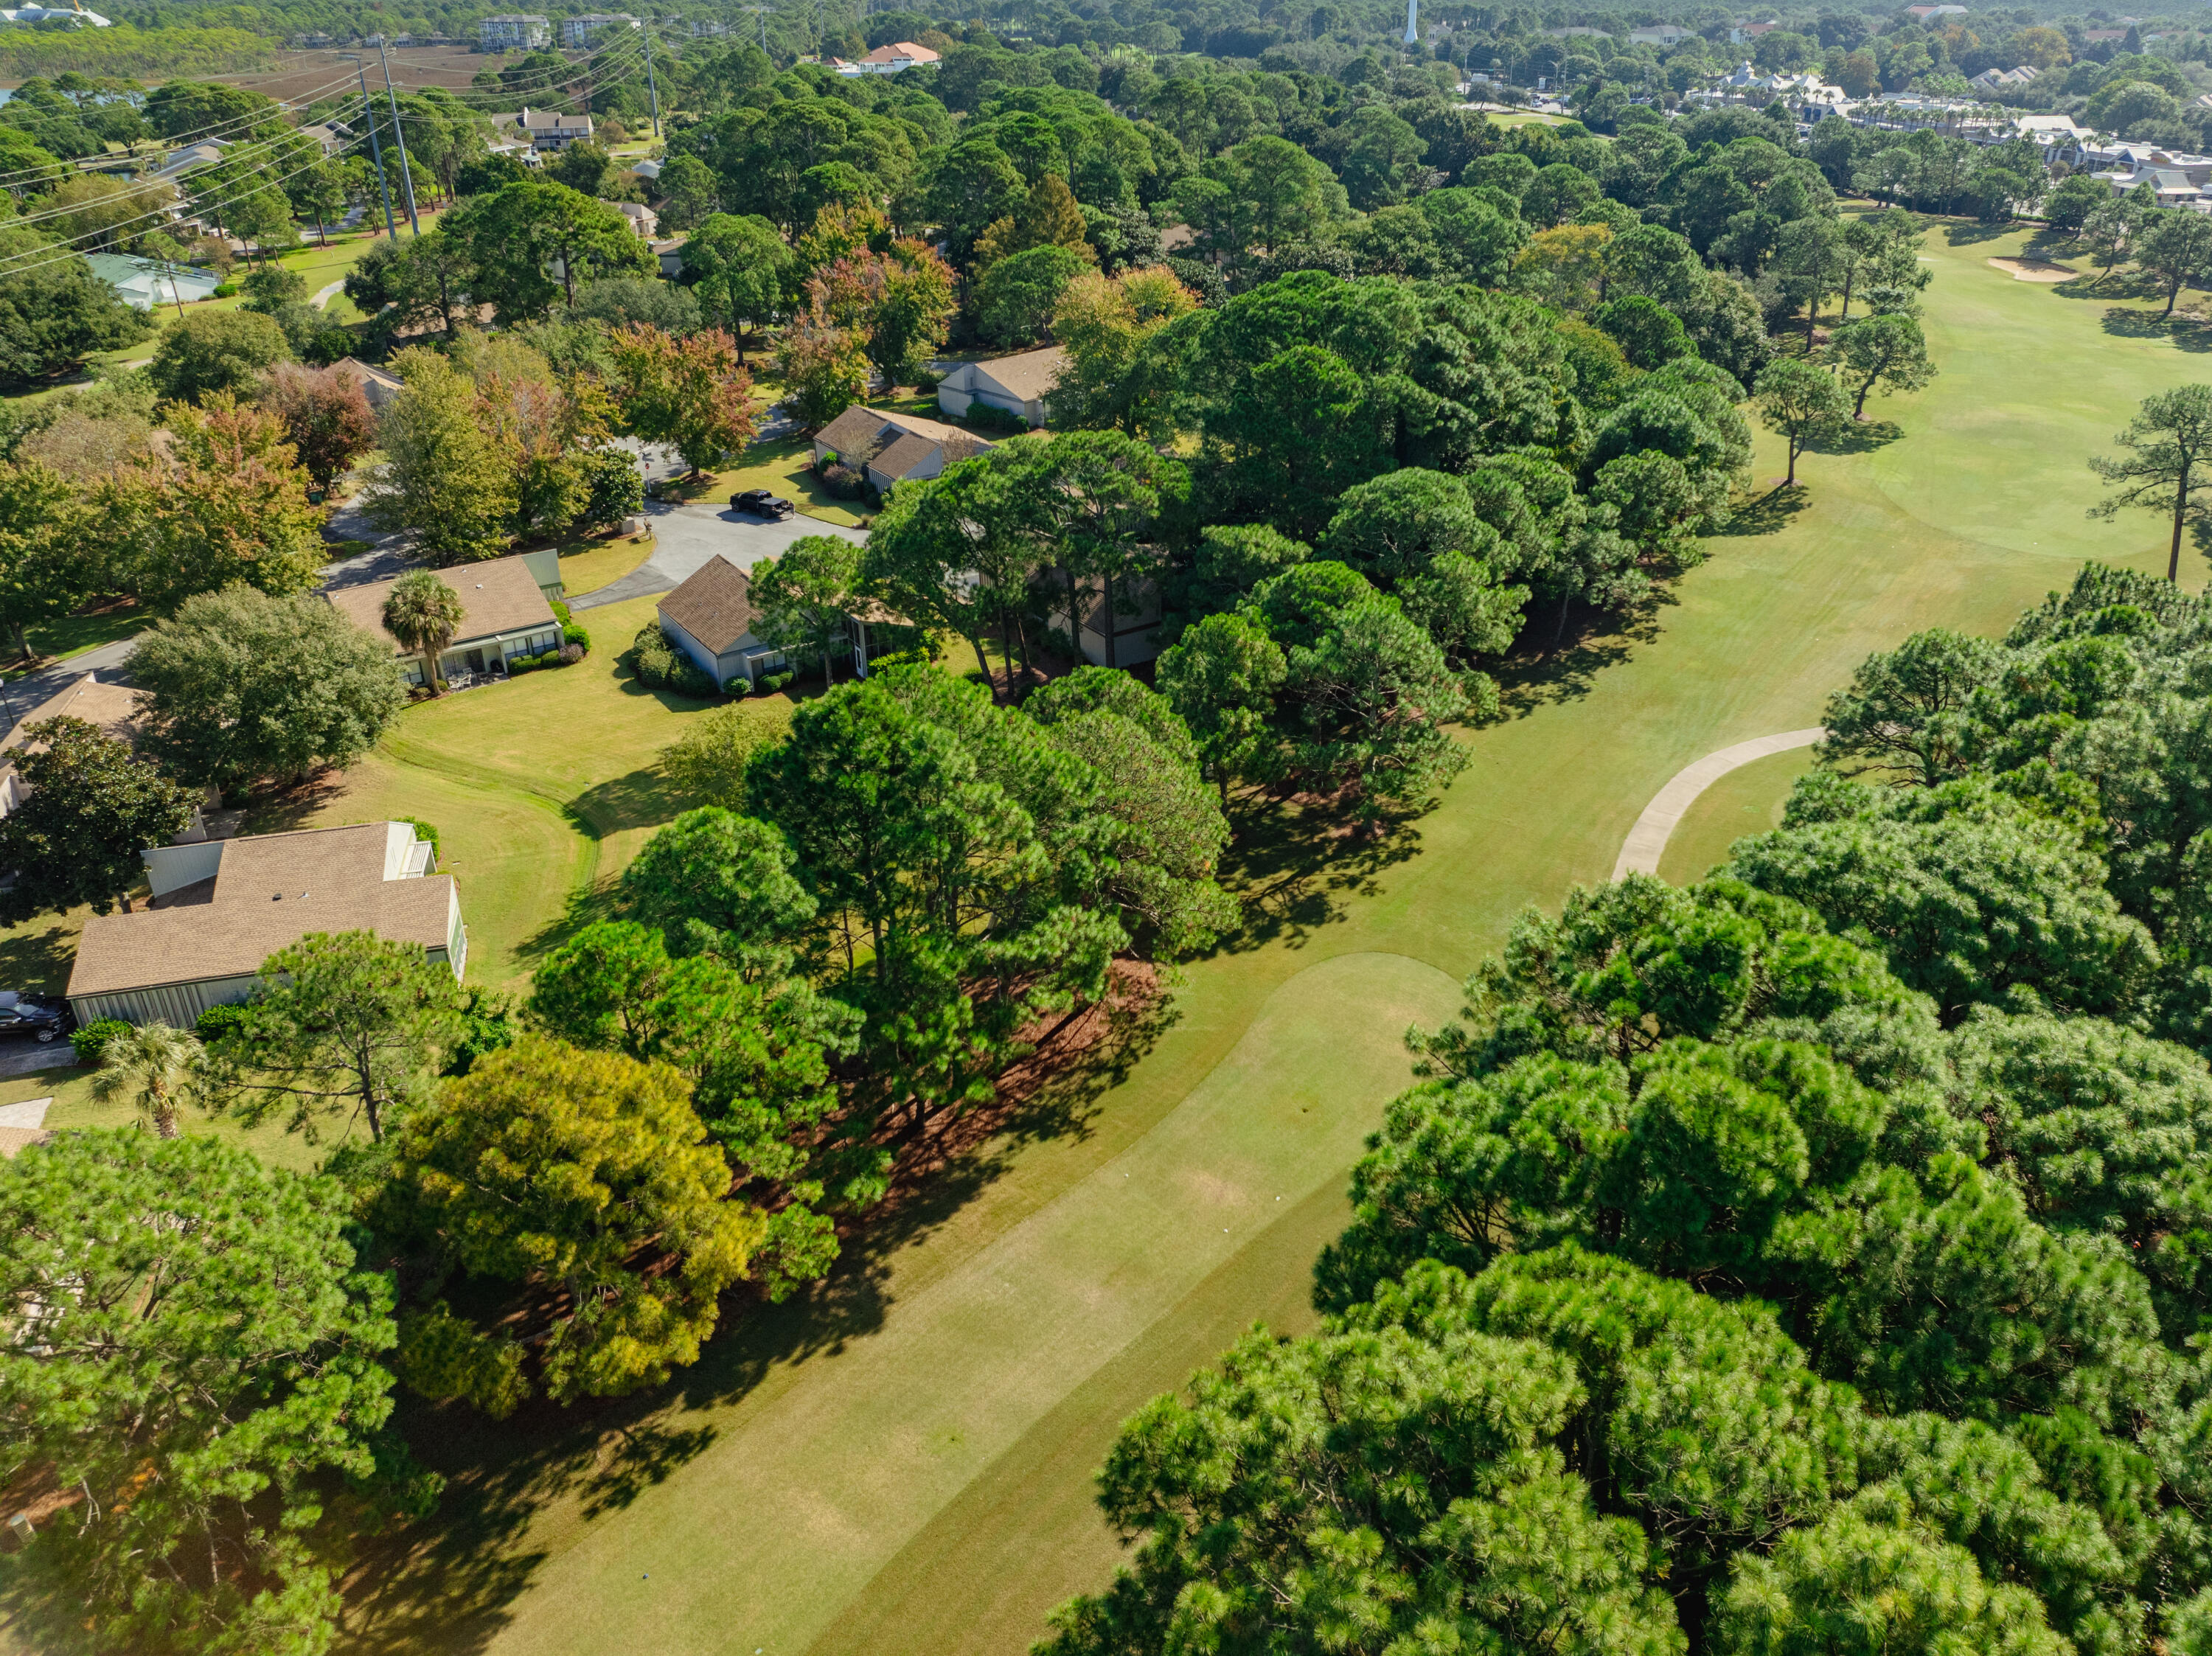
x: 2036, y: 269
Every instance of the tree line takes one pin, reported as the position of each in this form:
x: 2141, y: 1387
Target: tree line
x: 1812, y: 1259
x: 697, y: 1093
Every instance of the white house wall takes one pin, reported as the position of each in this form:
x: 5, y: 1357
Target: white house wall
x: 170, y: 868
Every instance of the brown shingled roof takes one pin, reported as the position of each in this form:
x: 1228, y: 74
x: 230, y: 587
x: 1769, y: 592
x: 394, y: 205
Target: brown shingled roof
x: 714, y: 604
x: 902, y: 456
x: 1029, y: 375
x: 271, y: 890
x: 501, y: 596
x: 112, y: 707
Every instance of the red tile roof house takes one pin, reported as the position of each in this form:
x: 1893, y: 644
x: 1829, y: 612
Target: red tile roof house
x: 223, y: 906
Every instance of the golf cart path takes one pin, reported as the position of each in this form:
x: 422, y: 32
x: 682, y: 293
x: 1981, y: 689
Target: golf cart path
x: 1647, y: 840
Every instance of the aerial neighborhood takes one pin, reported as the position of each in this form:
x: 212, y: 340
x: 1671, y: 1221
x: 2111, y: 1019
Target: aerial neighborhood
x: 1345, y: 826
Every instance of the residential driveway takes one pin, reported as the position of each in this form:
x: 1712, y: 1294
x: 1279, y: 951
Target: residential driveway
x: 687, y: 535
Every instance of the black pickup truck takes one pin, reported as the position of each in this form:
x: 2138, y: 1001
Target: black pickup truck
x: 761, y: 503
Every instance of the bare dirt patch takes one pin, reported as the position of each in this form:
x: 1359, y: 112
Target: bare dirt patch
x: 306, y: 75
x: 2036, y: 269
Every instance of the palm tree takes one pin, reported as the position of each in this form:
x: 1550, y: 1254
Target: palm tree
x: 423, y: 614
x: 156, y: 1066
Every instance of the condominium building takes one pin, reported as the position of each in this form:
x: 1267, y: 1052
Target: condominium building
x: 580, y: 31
x: 511, y: 33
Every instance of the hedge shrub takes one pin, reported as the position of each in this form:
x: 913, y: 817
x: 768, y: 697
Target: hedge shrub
x: 217, y: 1022
x: 91, y: 1041
x: 661, y: 665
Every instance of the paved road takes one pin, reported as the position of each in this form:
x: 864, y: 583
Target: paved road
x: 687, y: 535
x: 387, y: 556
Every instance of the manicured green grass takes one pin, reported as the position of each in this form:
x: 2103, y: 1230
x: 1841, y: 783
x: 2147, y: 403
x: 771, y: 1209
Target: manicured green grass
x: 72, y: 635
x: 899, y: 1461
x: 542, y: 789
x: 590, y: 565
x: 1747, y: 800
x: 70, y: 1088
x: 784, y: 466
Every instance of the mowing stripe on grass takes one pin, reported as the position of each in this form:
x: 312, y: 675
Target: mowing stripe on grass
x: 825, y: 1483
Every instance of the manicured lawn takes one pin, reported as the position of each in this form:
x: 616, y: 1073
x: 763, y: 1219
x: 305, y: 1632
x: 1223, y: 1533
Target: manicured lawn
x: 900, y: 1461
x: 593, y: 564
x: 786, y: 467
x: 72, y: 635
x: 1745, y: 801
x: 542, y: 790
x: 70, y: 1088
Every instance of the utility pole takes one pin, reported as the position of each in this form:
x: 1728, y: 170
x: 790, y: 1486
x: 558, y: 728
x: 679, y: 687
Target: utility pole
x: 399, y: 136
x: 762, y: 13
x: 653, y: 90
x: 368, y: 109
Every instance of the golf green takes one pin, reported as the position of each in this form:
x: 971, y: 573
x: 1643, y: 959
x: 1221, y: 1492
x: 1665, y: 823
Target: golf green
x: 900, y: 1461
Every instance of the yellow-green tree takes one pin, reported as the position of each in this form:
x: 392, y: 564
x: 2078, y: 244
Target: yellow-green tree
x: 587, y: 1175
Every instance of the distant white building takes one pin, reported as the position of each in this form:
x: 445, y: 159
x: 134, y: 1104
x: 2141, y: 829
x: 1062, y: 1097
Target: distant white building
x: 886, y: 60
x: 148, y: 285
x: 1990, y: 80
x: 579, y: 31
x: 1663, y: 35
x: 508, y: 33
x: 74, y: 13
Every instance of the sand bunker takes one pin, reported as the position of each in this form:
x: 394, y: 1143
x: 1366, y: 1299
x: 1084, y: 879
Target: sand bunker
x: 2036, y: 269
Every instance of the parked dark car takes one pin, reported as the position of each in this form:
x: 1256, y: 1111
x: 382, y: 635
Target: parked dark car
x: 761, y: 503
x: 34, y: 1015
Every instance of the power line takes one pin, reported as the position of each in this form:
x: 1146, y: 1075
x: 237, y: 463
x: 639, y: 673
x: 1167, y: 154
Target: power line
x: 583, y: 69
x: 238, y: 153
x: 64, y: 251
x: 61, y: 252
x: 62, y: 169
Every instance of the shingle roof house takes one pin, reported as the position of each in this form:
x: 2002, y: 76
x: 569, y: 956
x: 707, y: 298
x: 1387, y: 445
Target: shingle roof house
x: 114, y: 709
x: 504, y: 612
x: 1019, y: 385
x: 893, y: 447
x: 223, y: 906
x: 710, y: 618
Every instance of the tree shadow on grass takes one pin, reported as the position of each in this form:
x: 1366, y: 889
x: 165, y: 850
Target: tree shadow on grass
x: 1974, y: 232
x: 1296, y: 864
x: 1854, y: 437
x: 38, y: 963
x: 2187, y: 333
x: 2105, y: 285
x: 280, y: 811
x: 644, y: 797
x: 447, y: 1584
x: 1559, y: 654
x: 1766, y: 514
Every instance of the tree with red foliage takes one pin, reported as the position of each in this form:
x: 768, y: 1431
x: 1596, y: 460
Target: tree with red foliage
x: 687, y: 392
x: 325, y: 416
